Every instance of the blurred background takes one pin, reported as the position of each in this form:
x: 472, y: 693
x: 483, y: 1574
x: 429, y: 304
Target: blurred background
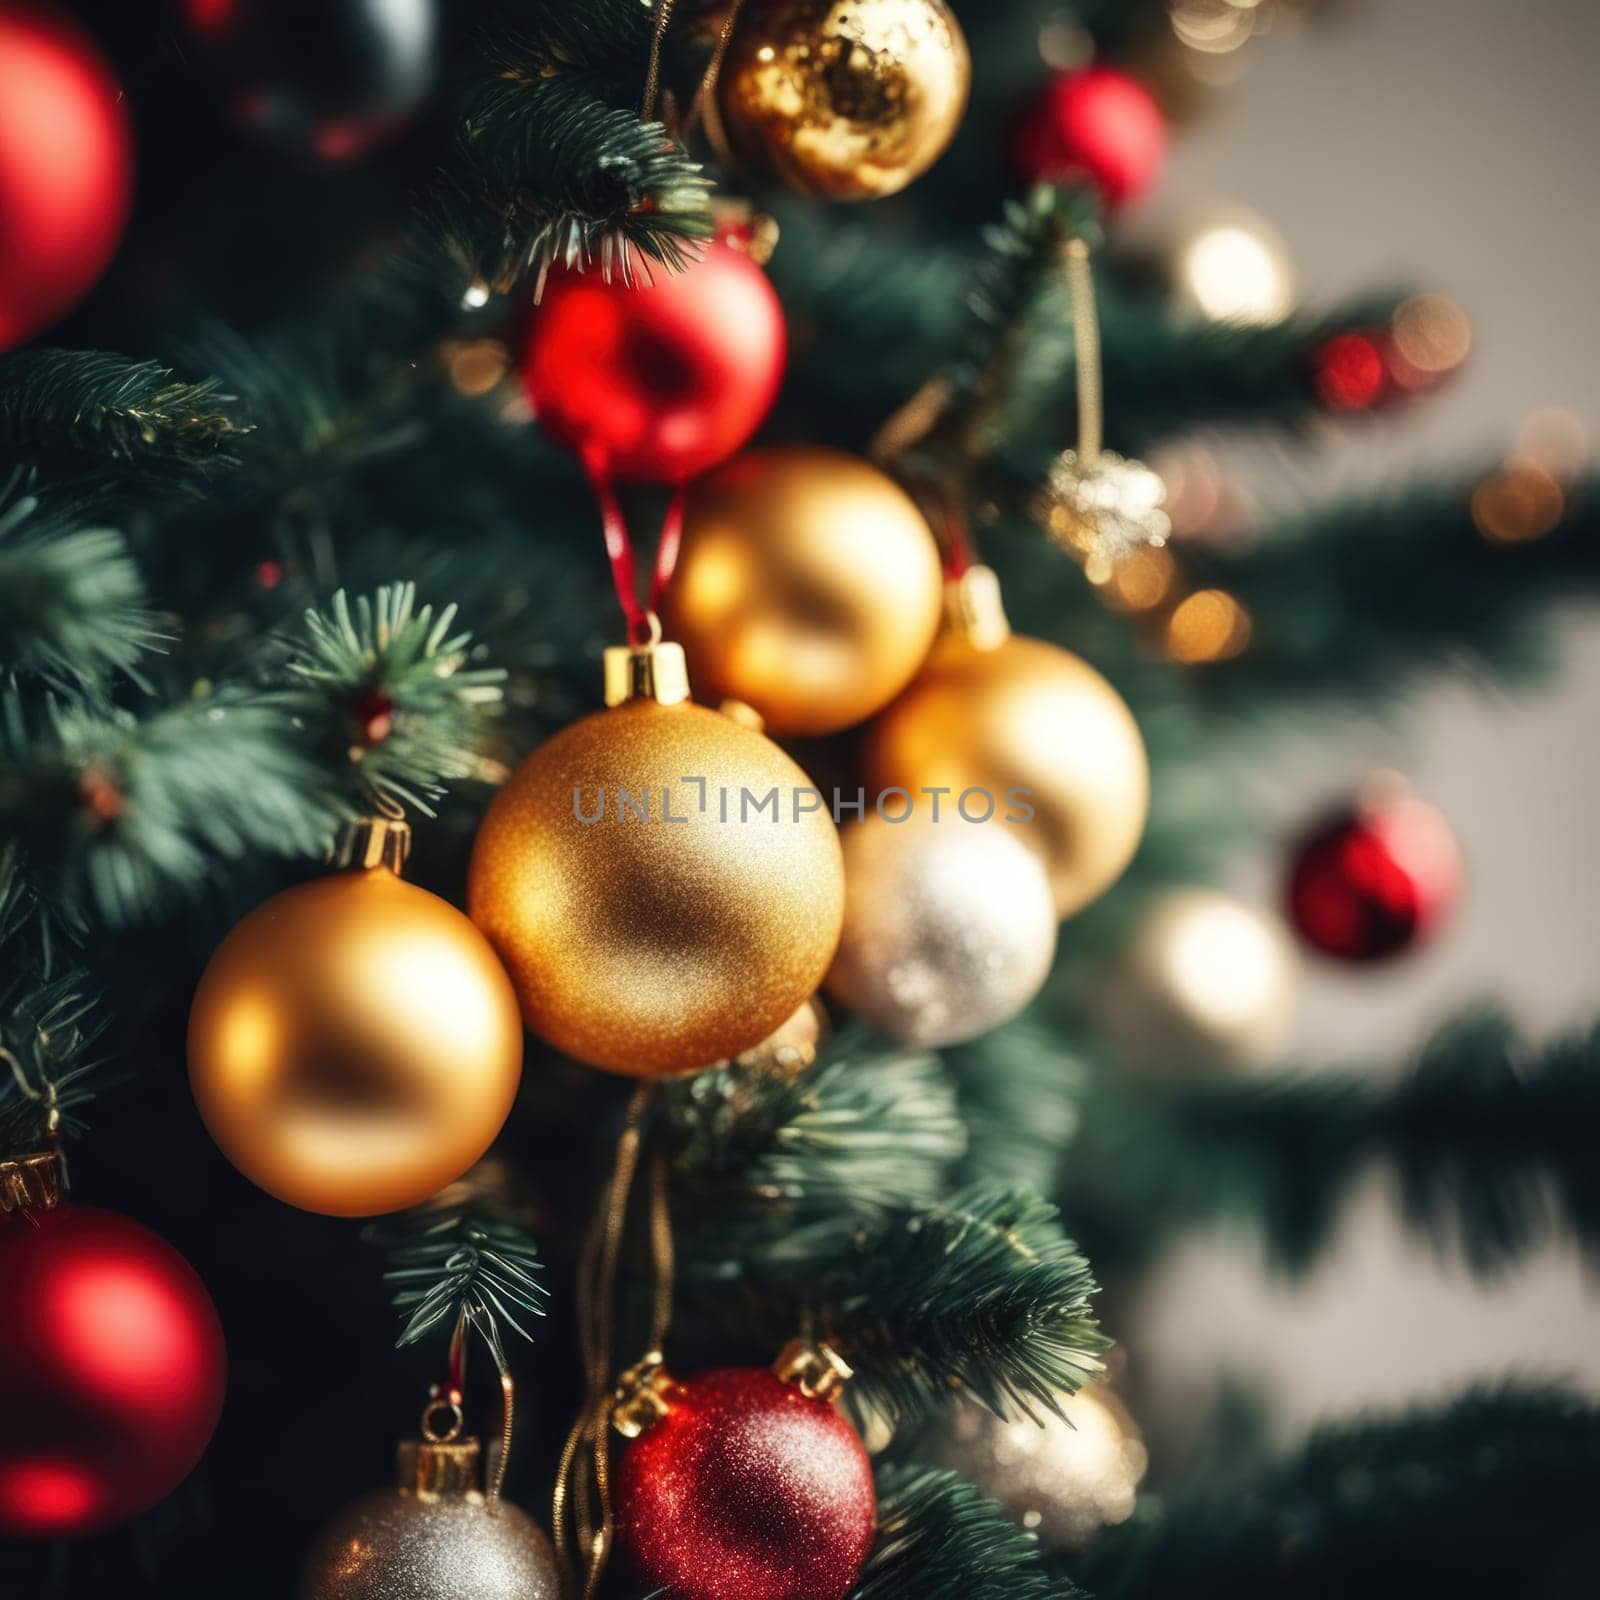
x: 1452, y: 147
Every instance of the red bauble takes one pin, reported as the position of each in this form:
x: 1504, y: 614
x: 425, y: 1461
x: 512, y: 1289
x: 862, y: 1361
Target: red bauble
x: 746, y: 1490
x: 657, y: 380
x: 1350, y: 371
x: 1375, y: 880
x: 66, y: 168
x: 1096, y: 123
x: 112, y: 1370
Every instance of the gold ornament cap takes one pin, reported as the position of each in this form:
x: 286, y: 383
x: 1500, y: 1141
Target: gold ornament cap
x: 816, y: 1369
x: 31, y: 1183
x: 973, y: 609
x: 656, y: 670
x: 640, y: 1399
x: 371, y: 842
x: 433, y: 1469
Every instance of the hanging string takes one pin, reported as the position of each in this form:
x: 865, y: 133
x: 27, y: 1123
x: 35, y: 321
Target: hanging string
x: 1086, y: 348
x: 704, y: 108
x: 452, y: 1399
x: 663, y: 1254
x: 587, y: 1495
x: 642, y: 626
x: 652, y: 78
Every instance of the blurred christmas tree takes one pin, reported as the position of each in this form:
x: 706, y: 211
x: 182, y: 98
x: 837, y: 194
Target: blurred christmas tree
x: 336, y: 337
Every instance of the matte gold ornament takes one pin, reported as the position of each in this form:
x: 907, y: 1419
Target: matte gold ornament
x: 354, y: 1045
x: 1065, y: 1479
x: 845, y: 99
x: 1103, y: 511
x: 434, y: 1534
x: 949, y: 927
x: 808, y: 586
x: 994, y: 712
x: 662, y: 882
x: 1205, y: 984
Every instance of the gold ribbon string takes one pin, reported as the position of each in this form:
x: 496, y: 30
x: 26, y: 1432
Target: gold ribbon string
x: 587, y: 1496
x: 1086, y: 349
x: 703, y: 108
x: 652, y: 77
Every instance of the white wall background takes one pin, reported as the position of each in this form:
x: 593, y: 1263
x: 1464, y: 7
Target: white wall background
x: 1452, y: 146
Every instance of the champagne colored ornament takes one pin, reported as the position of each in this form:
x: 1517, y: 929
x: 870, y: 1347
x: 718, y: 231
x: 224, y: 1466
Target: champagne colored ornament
x: 354, y: 1045
x: 808, y: 586
x: 112, y: 1365
x: 745, y: 1487
x: 663, y: 883
x: 66, y: 168
x: 995, y: 713
x: 949, y: 926
x: 660, y: 378
x: 1377, y: 878
x: 845, y: 99
x: 1204, y: 984
x: 434, y: 1534
x: 1065, y: 1478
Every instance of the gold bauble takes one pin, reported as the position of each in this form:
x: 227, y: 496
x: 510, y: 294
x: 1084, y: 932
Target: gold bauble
x: 808, y: 587
x: 1204, y: 985
x: 354, y: 1045
x: 845, y: 99
x: 688, y: 918
x: 434, y: 1534
x: 1064, y: 1478
x: 1027, y: 716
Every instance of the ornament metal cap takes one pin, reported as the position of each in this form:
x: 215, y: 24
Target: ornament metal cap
x: 816, y: 1369
x: 370, y: 842
x: 432, y: 1469
x: 973, y: 608
x: 31, y: 1183
x: 655, y: 670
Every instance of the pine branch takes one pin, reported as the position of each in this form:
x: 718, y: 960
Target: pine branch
x: 1346, y: 600
x: 757, y: 1155
x: 115, y: 410
x: 940, y: 1539
x: 47, y: 1031
x: 1491, y: 1143
x: 554, y: 172
x: 1489, y: 1495
x: 121, y: 817
x: 72, y: 602
x: 462, y: 1264
x: 385, y: 687
x: 981, y: 1294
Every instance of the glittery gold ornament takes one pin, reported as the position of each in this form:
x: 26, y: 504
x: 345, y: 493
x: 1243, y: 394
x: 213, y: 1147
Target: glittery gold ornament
x: 995, y: 713
x: 949, y: 928
x: 663, y: 883
x: 432, y: 1535
x: 354, y: 1044
x: 845, y: 99
x: 1064, y: 1479
x: 1104, y: 510
x: 1204, y: 984
x: 808, y: 587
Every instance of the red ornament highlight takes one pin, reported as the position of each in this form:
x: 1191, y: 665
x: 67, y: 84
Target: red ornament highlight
x: 66, y: 168
x: 1375, y: 880
x: 1098, y: 124
x: 112, y: 1371
x: 658, y: 380
x: 746, y: 1490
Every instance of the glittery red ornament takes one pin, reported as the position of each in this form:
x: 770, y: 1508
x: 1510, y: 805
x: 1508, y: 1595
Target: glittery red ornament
x: 1350, y: 372
x: 112, y: 1370
x: 1096, y: 123
x: 1375, y: 880
x: 657, y: 380
x: 746, y: 1490
x: 66, y: 168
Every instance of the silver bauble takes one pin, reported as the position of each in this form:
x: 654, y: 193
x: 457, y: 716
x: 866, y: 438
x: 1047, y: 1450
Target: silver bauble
x: 949, y: 926
x: 433, y: 1535
x: 1064, y: 1479
x: 1204, y: 984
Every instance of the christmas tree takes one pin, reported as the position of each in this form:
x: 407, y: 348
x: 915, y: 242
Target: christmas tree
x: 610, y: 624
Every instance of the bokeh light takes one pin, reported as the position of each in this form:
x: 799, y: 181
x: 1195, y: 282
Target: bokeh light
x: 1234, y: 267
x: 1521, y: 501
x: 1210, y: 625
